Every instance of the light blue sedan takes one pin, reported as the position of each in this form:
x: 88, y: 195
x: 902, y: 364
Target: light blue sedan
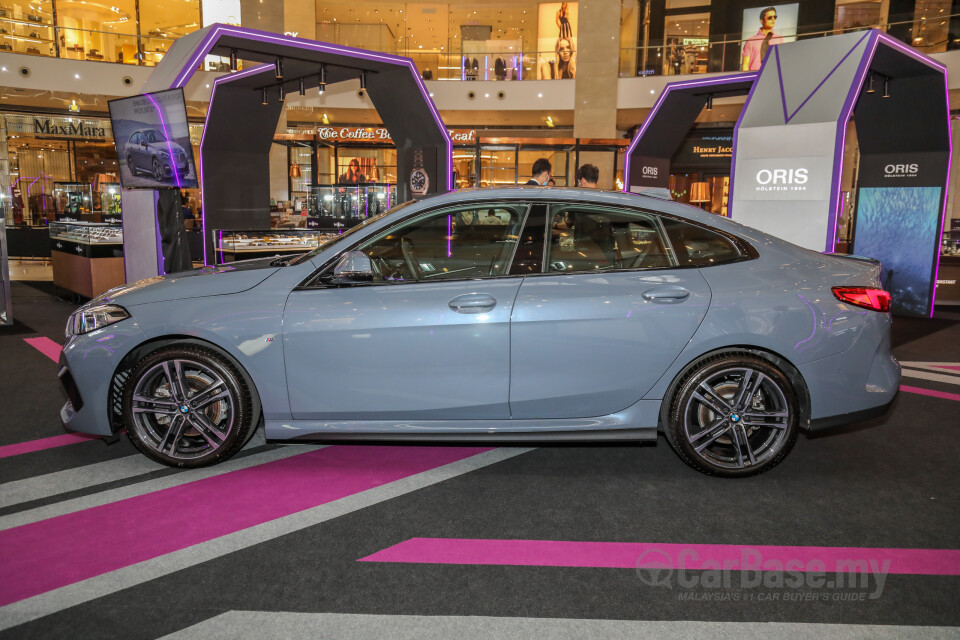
x: 503, y: 315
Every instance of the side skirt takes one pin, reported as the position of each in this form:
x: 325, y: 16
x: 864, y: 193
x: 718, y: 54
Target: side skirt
x: 586, y: 435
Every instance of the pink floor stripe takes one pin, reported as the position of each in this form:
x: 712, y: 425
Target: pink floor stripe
x: 930, y: 392
x: 42, y: 556
x: 44, y: 443
x: 947, y: 366
x: 632, y: 555
x: 46, y: 346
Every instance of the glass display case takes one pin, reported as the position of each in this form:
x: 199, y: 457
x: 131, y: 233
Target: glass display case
x: 247, y: 245
x: 340, y: 207
x: 72, y: 200
x: 87, y: 257
x: 110, y: 201
x: 948, y: 271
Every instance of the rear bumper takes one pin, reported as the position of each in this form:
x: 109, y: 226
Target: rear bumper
x: 855, y: 385
x: 821, y: 424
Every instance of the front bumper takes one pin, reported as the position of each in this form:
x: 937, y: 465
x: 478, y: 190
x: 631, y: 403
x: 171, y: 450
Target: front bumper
x: 87, y: 366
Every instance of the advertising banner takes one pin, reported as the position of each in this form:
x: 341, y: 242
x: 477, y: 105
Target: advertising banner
x: 649, y: 173
x: 557, y: 41
x: 153, y: 141
x: 763, y: 26
x: 711, y: 149
x: 898, y: 223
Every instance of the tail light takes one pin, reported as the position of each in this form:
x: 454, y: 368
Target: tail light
x: 873, y: 299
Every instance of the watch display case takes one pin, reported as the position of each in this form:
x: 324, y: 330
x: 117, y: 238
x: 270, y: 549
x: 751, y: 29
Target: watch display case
x: 340, y: 207
x: 73, y: 199
x: 948, y: 274
x: 110, y: 201
x: 247, y: 245
x: 87, y: 257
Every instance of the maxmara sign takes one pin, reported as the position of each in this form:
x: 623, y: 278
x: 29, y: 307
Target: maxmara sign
x: 67, y: 129
x: 380, y: 134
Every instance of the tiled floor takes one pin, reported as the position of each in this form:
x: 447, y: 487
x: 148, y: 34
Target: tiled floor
x: 35, y: 270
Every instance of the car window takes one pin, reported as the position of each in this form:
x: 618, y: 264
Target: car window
x: 153, y: 136
x: 592, y: 239
x: 475, y: 242
x: 697, y: 246
x: 135, y: 138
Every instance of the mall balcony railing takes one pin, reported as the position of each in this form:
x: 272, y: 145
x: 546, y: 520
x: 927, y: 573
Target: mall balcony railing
x: 675, y: 56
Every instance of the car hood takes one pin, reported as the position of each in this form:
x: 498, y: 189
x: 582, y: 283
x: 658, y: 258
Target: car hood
x: 208, y: 281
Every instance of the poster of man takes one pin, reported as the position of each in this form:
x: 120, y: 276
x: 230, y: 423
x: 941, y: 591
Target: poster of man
x: 775, y: 24
x: 557, y: 41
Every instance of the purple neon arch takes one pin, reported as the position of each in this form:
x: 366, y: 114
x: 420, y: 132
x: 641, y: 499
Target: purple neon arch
x: 209, y: 42
x: 683, y: 84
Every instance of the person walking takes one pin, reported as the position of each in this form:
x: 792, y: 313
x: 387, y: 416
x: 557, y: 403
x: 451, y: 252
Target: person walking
x: 542, y: 170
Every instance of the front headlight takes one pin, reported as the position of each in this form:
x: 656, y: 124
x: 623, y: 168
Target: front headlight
x: 95, y: 317
x: 163, y: 154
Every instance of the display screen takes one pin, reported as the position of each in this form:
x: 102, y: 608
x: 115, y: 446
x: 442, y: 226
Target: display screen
x: 773, y: 23
x: 898, y: 227
x: 153, y: 141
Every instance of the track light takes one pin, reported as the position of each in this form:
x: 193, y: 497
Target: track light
x: 281, y: 96
x: 233, y: 60
x: 363, y: 80
x: 278, y: 67
x: 264, y: 100
x: 709, y: 102
x: 323, y: 79
x: 303, y: 90
x: 870, y: 88
x: 886, y: 88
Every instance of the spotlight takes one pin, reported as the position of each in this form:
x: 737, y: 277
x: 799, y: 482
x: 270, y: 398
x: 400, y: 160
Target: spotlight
x: 886, y: 88
x: 323, y: 79
x: 233, y: 60
x: 363, y: 80
x: 709, y: 102
x: 278, y: 67
x: 281, y: 96
x: 264, y: 100
x: 303, y: 90
x: 870, y: 88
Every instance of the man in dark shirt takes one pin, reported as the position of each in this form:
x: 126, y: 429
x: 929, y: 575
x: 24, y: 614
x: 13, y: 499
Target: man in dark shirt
x: 542, y: 170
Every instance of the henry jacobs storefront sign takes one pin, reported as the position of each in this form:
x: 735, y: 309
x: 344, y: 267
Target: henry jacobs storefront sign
x: 380, y: 134
x: 67, y: 128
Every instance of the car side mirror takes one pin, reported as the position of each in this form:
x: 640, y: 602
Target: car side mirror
x: 353, y: 267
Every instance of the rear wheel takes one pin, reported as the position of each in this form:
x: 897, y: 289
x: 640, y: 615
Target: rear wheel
x: 733, y: 415
x: 187, y: 407
x: 132, y: 167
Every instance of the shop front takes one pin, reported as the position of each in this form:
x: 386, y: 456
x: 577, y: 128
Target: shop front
x: 700, y: 169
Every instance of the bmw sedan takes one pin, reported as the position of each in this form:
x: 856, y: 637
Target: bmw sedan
x: 495, y: 315
x: 148, y: 150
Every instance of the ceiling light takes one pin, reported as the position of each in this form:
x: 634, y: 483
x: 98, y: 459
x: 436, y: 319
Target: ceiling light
x: 278, y: 68
x: 264, y: 98
x: 233, y: 60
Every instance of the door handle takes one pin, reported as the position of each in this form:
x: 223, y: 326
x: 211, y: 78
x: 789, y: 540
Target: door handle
x: 473, y: 303
x: 666, y: 295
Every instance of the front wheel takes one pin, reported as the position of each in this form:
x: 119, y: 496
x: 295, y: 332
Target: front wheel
x: 734, y: 415
x: 158, y: 171
x: 187, y: 406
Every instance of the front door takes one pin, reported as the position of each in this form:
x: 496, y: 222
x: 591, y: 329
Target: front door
x: 428, y: 339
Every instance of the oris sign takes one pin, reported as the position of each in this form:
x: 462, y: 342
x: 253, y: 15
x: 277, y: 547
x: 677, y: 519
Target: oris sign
x: 786, y: 178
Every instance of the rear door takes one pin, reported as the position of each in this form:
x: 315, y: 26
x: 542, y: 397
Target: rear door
x: 610, y: 312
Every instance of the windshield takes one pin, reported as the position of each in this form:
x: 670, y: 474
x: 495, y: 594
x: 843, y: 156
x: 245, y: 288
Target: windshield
x: 308, y: 256
x: 152, y: 135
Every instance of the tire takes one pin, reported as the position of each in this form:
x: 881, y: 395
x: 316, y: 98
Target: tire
x: 131, y: 166
x: 157, y: 171
x: 205, y: 426
x: 733, y: 415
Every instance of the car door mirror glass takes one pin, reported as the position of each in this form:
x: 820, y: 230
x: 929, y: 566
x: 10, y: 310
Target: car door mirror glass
x: 352, y: 268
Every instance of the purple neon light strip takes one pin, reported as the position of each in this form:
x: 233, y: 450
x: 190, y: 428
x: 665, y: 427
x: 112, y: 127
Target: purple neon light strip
x: 208, y: 43
x: 166, y: 134
x: 684, y: 84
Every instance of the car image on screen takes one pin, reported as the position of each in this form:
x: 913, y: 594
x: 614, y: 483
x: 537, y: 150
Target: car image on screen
x: 149, y: 151
x: 495, y: 315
